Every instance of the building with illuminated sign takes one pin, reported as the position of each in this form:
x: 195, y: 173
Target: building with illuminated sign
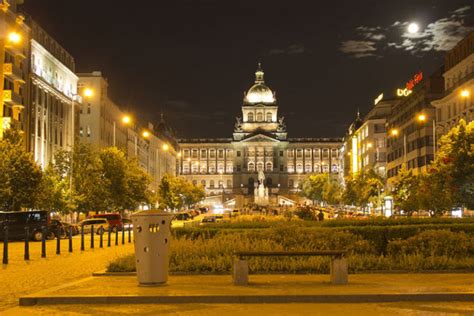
x: 230, y: 165
x: 409, y: 138
x: 458, y: 76
x: 14, y: 50
x: 365, y: 145
x: 53, y: 98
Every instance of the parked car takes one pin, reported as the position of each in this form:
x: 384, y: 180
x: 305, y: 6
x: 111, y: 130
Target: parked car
x: 127, y: 224
x: 17, y: 221
x: 96, y: 222
x: 181, y: 219
x: 63, y: 228
x: 210, y: 219
x: 114, y: 219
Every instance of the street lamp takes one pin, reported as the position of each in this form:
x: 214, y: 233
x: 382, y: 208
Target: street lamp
x: 465, y: 93
x: 422, y: 118
x: 395, y: 132
x: 166, y: 147
x: 73, y: 97
x: 14, y: 37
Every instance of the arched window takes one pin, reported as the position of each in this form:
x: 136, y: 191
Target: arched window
x: 260, y: 166
x: 259, y: 116
x: 211, y: 183
x: 251, y: 167
x: 203, y: 183
x: 290, y: 184
x: 307, y: 168
x: 334, y: 168
x: 195, y: 167
x: 268, y: 166
x: 250, y: 117
x: 299, y: 168
x: 325, y: 168
x: 291, y: 168
x: 229, y: 183
x: 317, y: 168
x: 269, y: 116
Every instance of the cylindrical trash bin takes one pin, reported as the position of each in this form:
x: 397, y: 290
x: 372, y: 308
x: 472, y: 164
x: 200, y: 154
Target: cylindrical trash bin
x: 151, y: 231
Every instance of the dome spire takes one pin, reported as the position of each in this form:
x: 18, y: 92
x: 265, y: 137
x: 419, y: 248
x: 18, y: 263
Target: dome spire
x: 259, y: 74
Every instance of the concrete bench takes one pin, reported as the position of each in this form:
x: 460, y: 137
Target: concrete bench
x: 338, y: 267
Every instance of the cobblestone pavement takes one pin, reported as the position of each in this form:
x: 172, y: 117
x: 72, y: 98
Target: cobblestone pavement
x: 406, y: 309
x: 21, y: 277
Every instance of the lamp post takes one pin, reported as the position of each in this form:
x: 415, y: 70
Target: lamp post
x: 395, y: 132
x: 88, y: 93
x: 422, y: 118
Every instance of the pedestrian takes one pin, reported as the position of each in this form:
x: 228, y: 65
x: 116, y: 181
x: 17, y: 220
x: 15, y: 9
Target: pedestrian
x: 321, y: 216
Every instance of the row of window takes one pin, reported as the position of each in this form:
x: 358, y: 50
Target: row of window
x: 308, y: 168
x: 309, y: 152
x: 259, y: 117
x: 204, y: 153
x: 211, y: 184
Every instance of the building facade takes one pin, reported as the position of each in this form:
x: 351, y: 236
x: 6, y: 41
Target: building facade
x: 409, y: 139
x: 259, y: 143
x: 14, y: 64
x: 54, y: 102
x: 458, y: 76
x: 100, y: 118
x: 365, y: 146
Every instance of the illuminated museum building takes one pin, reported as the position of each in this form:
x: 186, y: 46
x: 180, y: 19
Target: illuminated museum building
x: 259, y: 143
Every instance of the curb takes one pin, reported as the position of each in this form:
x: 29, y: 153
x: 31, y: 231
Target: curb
x: 248, y: 299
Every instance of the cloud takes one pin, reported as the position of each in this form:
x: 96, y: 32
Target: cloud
x: 440, y: 35
x: 293, y: 49
x: 358, y: 49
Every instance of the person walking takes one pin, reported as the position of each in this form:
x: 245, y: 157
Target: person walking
x: 321, y: 216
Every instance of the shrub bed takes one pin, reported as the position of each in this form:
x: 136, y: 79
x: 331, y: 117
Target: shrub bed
x: 425, y: 250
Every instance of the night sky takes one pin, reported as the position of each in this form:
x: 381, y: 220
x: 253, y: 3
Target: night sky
x: 193, y: 59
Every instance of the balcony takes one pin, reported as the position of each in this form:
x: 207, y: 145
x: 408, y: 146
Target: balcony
x: 12, y: 98
x: 13, y: 71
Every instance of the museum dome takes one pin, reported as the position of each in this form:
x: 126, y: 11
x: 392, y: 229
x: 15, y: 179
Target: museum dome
x: 259, y: 92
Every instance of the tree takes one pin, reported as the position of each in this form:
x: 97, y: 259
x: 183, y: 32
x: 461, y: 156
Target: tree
x: 20, y: 176
x: 363, y: 188
x: 176, y: 192
x: 432, y: 195
x: 455, y: 163
x: 54, y: 193
x: 405, y: 191
x: 313, y: 186
x: 332, y: 191
x: 137, y: 186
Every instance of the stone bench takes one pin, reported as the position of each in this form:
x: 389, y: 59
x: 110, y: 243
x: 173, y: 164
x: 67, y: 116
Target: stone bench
x: 338, y: 267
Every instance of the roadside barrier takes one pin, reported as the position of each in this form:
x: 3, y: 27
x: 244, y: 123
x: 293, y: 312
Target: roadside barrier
x: 109, y: 231
x: 70, y: 238
x: 43, y: 242
x: 92, y: 236
x: 58, y: 241
x: 5, y: 244
x: 62, y: 232
x: 27, y: 243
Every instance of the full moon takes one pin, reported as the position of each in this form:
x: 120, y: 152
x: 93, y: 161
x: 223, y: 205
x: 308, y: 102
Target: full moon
x: 413, y: 28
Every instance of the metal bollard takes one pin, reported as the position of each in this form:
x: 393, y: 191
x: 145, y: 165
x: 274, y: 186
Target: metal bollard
x: 123, y: 235
x: 116, y: 235
x: 27, y: 243
x: 58, y: 241
x: 109, y: 231
x: 43, y: 242
x: 92, y: 236
x: 101, y: 241
x: 5, y: 244
x: 129, y: 234
x: 70, y: 238
x: 82, y: 237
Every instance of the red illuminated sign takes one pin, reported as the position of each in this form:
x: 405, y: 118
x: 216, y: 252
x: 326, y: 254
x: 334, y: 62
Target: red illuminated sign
x: 416, y: 80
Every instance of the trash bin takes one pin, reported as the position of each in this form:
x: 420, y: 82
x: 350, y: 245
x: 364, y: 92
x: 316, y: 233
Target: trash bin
x: 151, y: 230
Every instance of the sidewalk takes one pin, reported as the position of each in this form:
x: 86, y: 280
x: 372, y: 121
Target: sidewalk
x: 262, y: 289
x: 20, y: 277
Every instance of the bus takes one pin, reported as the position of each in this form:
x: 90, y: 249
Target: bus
x: 17, y: 221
